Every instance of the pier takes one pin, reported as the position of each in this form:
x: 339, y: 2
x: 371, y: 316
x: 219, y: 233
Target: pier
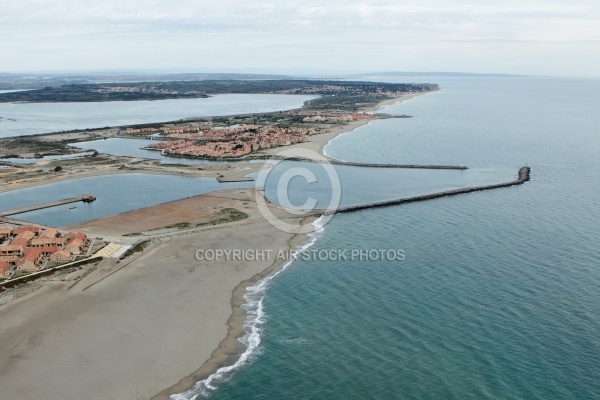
x: 327, y: 160
x: 43, y: 205
x: 523, y: 176
x: 368, y: 165
x: 406, y: 166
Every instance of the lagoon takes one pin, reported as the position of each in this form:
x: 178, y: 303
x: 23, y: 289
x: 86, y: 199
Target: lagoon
x: 34, y: 118
x: 133, y: 148
x: 125, y: 192
x: 115, y: 194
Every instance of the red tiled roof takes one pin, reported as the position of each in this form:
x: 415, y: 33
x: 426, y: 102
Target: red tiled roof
x: 77, y: 235
x: 75, y: 242
x: 3, y: 267
x: 60, y: 255
x: 32, y: 254
x: 31, y: 228
x: 49, y: 249
x: 19, y: 242
x: 26, y: 235
x: 49, y: 233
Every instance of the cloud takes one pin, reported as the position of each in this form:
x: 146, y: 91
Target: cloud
x: 200, y: 32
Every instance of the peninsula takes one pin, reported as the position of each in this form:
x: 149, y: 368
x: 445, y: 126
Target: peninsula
x: 151, y: 319
x: 346, y: 92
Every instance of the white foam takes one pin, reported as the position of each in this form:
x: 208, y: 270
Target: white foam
x: 255, y: 317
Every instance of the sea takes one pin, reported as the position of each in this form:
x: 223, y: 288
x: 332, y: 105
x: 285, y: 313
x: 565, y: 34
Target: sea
x: 490, y: 295
x: 498, y: 293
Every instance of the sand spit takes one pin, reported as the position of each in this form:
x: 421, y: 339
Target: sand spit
x: 138, y: 331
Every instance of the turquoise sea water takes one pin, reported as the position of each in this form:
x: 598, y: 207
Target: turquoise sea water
x: 499, y: 294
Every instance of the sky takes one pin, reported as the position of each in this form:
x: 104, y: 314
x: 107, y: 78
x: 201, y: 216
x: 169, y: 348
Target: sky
x: 533, y: 37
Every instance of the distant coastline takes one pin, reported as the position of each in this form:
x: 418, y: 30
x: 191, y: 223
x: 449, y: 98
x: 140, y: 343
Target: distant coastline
x: 213, y: 335
x: 133, y: 91
x: 225, y: 295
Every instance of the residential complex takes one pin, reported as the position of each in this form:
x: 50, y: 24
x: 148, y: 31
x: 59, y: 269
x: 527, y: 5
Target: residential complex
x: 30, y: 248
x: 205, y: 140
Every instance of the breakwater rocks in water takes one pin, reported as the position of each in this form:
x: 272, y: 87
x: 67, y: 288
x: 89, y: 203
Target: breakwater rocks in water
x: 523, y: 176
x: 311, y: 160
x: 407, y: 166
x: 367, y: 165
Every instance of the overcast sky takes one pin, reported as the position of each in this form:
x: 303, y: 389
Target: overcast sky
x: 541, y: 37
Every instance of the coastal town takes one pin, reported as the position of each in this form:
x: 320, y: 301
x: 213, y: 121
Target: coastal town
x: 229, y: 142
x: 205, y: 139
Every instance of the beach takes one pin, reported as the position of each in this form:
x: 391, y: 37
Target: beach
x: 157, y: 325
x: 138, y: 332
x: 317, y: 143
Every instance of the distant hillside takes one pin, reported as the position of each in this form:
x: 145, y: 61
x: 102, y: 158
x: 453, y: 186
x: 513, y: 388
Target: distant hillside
x: 128, y: 91
x: 39, y: 81
x: 433, y: 74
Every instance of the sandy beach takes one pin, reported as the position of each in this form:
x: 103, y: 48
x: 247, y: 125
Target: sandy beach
x: 318, y: 142
x: 158, y: 324
x: 141, y: 330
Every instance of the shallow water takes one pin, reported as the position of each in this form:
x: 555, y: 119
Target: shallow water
x: 114, y: 194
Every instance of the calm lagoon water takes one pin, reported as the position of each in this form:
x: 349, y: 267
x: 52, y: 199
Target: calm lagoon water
x: 31, y: 118
x: 133, y: 148
x: 124, y: 192
x: 114, y: 194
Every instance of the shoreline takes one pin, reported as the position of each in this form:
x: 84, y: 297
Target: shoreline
x: 226, y: 349
x: 228, y: 355
x: 189, y: 313
x: 377, y: 108
x: 318, y: 143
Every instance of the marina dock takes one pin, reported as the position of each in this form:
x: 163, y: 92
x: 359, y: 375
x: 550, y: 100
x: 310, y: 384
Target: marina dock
x: 46, y: 205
